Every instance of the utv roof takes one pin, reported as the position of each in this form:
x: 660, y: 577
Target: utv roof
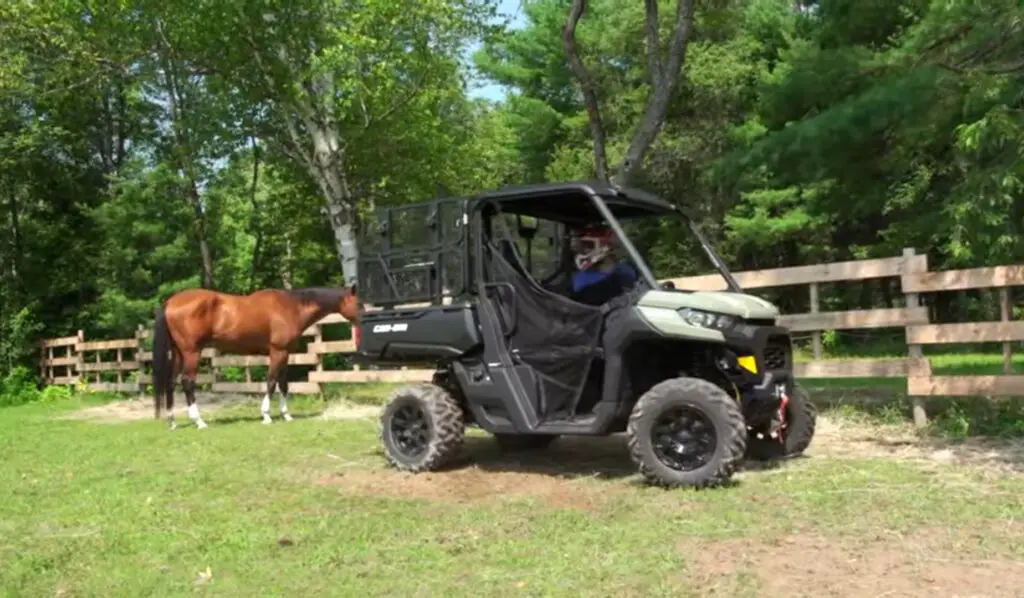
x: 571, y: 201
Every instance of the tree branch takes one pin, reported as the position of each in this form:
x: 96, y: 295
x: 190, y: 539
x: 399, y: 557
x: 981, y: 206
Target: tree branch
x: 653, y: 44
x: 401, y: 103
x: 590, y: 100
x: 658, y: 102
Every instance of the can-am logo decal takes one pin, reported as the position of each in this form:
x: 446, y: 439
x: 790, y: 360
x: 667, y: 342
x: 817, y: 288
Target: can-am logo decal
x: 391, y: 327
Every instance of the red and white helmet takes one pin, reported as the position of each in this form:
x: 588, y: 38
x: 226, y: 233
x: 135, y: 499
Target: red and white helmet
x: 591, y: 245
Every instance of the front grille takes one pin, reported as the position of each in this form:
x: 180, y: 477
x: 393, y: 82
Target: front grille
x: 777, y: 353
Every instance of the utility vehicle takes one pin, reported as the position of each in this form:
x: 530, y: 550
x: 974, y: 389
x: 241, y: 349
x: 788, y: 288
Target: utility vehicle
x: 698, y: 381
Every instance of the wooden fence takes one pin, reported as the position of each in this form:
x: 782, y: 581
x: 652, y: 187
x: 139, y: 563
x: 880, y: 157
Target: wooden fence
x: 71, y: 359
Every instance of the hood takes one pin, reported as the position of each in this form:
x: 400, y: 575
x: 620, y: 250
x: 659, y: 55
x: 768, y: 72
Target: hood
x: 740, y: 305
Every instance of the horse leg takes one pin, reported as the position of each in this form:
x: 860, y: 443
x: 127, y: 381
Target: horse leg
x: 176, y: 367
x: 282, y: 387
x: 190, y: 360
x: 278, y: 363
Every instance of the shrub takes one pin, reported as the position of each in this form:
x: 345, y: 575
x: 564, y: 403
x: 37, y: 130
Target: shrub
x: 19, y: 387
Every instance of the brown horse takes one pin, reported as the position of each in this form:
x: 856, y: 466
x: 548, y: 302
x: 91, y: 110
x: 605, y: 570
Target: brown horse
x: 267, y: 322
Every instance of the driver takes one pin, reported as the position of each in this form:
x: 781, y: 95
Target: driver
x: 599, y: 278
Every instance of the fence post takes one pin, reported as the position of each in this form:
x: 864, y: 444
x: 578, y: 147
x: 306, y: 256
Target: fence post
x: 1005, y: 316
x: 914, y: 351
x: 80, y: 358
x: 140, y: 346
x: 816, y: 335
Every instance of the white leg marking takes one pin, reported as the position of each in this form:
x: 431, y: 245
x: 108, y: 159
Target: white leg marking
x: 193, y: 412
x: 284, y: 408
x: 171, y: 425
x: 265, y: 409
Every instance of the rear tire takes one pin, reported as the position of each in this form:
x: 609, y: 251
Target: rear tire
x: 524, y: 442
x: 686, y: 432
x: 422, y: 428
x: 801, y: 419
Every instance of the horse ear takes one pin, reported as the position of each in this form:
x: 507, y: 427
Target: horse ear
x: 352, y: 289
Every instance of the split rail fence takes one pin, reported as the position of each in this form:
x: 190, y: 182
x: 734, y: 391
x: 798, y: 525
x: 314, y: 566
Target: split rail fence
x: 121, y: 364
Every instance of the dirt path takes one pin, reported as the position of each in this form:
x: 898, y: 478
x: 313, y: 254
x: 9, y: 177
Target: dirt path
x: 835, y: 437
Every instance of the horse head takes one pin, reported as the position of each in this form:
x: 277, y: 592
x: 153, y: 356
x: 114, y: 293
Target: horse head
x: 350, y: 306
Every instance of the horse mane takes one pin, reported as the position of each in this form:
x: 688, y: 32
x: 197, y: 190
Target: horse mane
x: 325, y: 297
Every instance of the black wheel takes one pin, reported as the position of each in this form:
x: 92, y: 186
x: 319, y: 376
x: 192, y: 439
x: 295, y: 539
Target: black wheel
x: 421, y: 428
x: 686, y: 432
x: 524, y: 442
x: 794, y: 430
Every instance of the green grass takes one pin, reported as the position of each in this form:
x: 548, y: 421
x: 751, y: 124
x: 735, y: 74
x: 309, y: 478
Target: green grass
x: 307, y: 508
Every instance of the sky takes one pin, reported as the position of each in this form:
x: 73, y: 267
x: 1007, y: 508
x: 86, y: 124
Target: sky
x: 493, y: 91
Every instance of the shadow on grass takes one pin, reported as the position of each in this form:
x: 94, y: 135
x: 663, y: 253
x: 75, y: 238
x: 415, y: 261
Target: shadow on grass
x: 568, y: 457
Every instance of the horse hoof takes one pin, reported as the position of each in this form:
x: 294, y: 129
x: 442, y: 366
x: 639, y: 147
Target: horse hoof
x: 287, y: 417
x: 267, y: 421
x: 200, y: 425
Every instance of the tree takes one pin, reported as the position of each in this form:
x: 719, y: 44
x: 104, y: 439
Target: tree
x: 663, y: 79
x: 319, y: 78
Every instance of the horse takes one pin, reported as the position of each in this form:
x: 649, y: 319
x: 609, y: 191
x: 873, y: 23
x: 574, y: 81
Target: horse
x: 266, y: 322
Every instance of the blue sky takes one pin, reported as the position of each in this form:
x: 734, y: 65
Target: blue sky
x: 489, y: 90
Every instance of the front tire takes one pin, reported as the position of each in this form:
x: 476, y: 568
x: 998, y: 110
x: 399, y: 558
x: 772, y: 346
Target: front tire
x: 686, y: 432
x: 422, y: 428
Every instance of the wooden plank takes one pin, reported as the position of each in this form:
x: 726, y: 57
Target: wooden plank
x: 59, y: 361
x: 965, y: 386
x: 852, y: 368
x: 147, y: 380
x: 966, y: 332
x: 63, y: 341
x: 817, y: 273
x: 121, y: 343
x: 861, y: 318
x: 108, y: 366
x: 64, y: 380
x: 955, y: 280
x: 332, y: 347
x: 297, y: 388
x: 115, y: 386
x: 147, y: 356
x: 372, y: 376
x: 258, y: 360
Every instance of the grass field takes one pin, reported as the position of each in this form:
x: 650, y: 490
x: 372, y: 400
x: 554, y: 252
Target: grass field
x: 103, y: 501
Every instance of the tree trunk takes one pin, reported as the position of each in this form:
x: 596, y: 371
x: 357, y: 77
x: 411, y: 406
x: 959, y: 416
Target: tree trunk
x: 201, y: 233
x: 257, y: 220
x: 286, y: 263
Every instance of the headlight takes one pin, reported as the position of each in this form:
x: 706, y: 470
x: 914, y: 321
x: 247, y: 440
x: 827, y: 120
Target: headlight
x: 706, y: 319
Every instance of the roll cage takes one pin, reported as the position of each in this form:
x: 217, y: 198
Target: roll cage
x: 434, y: 257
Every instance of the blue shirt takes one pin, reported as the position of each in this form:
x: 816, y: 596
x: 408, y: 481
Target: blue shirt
x: 584, y: 278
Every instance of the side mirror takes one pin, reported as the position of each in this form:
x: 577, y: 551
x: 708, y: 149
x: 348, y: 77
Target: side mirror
x: 668, y: 285
x: 528, y: 226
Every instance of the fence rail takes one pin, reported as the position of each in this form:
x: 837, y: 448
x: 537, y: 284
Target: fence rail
x: 69, y: 359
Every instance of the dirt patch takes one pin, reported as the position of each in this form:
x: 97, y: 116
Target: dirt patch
x: 840, y: 438
x: 140, y: 409
x: 347, y: 410
x: 564, y: 475
x: 930, y: 562
x: 468, y: 485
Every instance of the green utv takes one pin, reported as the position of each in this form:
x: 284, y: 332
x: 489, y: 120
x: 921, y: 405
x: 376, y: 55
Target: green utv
x: 698, y: 381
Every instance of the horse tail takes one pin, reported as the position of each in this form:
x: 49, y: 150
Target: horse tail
x: 162, y: 366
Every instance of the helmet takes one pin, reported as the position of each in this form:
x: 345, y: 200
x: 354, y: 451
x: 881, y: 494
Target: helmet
x: 591, y: 245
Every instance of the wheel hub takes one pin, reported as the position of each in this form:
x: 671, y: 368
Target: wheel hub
x: 683, y: 439
x: 410, y: 429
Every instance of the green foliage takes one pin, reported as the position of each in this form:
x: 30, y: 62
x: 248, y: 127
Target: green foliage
x: 19, y: 387
x: 145, y: 148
